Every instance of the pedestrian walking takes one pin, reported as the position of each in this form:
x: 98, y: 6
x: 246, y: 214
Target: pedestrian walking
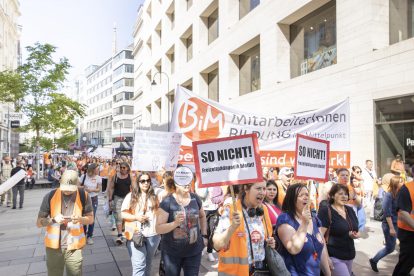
x: 63, y: 212
x: 92, y: 183
x: 104, y: 173
x: 212, y: 198
x: 340, y: 228
x: 6, y: 169
x: 405, y: 223
x: 271, y: 202
x: 30, y: 178
x: 119, y: 186
x: 243, y: 232
x: 182, y: 223
x: 138, y: 211
x: 389, y: 223
x: 303, y: 247
x: 20, y: 186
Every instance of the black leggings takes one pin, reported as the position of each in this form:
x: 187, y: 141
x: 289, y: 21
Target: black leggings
x: 104, y: 184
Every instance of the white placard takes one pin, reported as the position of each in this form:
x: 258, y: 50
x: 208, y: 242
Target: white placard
x: 312, y: 158
x: 105, y: 153
x: 154, y: 150
x: 183, y: 176
x: 227, y: 161
x: 9, y: 183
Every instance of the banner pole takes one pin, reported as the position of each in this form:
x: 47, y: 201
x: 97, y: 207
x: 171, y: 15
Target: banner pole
x: 233, y: 197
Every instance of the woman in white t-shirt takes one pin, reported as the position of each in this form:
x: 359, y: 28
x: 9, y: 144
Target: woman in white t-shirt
x: 138, y: 212
x: 92, y: 183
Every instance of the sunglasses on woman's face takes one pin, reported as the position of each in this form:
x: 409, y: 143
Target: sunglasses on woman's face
x: 124, y: 167
x: 142, y: 181
x: 358, y: 172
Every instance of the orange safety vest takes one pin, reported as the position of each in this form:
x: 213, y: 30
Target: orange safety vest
x: 76, y: 237
x: 105, y: 170
x: 401, y: 224
x: 235, y: 260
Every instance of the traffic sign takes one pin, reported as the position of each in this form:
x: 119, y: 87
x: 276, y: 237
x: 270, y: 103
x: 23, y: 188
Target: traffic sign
x: 13, y: 116
x: 15, y: 124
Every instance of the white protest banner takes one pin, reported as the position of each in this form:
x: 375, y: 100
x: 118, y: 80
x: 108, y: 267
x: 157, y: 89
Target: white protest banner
x: 199, y: 119
x: 154, y: 150
x: 105, y: 153
x: 311, y: 158
x: 227, y: 161
x: 9, y: 183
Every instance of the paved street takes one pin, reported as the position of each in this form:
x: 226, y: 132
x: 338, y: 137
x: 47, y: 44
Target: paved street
x: 22, y: 251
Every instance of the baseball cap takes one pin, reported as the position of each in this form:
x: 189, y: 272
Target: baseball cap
x: 285, y: 171
x: 69, y: 181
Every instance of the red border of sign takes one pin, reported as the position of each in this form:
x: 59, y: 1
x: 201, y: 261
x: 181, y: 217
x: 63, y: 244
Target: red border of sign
x: 301, y: 136
x: 234, y: 182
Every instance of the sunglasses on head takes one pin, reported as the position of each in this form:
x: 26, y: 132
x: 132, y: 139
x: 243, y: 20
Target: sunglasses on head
x: 142, y: 181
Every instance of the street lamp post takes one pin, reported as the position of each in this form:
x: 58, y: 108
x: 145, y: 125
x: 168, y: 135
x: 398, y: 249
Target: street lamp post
x: 168, y: 91
x: 84, y: 141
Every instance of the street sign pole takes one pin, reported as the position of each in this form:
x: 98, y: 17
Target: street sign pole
x: 8, y: 130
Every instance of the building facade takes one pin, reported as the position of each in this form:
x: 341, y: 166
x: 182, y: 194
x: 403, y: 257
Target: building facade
x: 10, y: 58
x: 270, y: 57
x: 109, y: 92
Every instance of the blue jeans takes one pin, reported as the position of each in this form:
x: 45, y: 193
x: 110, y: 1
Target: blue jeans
x: 173, y: 264
x: 362, y: 219
x: 89, y: 228
x: 141, y: 258
x: 389, y: 243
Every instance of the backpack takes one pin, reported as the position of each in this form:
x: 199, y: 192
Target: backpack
x: 378, y: 211
x: 82, y: 195
x: 212, y: 222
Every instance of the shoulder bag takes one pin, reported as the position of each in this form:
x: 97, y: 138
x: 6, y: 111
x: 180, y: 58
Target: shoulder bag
x: 274, y: 261
x: 138, y: 237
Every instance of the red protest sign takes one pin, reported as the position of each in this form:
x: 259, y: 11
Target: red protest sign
x: 227, y: 161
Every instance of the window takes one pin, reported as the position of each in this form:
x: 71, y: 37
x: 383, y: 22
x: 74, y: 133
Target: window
x: 128, y: 110
x: 123, y: 82
x: 401, y: 20
x: 171, y: 14
x: 249, y: 70
x: 394, y: 131
x: 189, y: 47
x: 213, y: 85
x: 313, y: 41
x: 123, y: 96
x: 213, y: 26
x: 189, y: 4
x: 246, y: 6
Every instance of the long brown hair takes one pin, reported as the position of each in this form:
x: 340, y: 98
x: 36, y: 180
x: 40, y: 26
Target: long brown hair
x: 394, y: 186
x: 136, y: 193
x: 167, y: 177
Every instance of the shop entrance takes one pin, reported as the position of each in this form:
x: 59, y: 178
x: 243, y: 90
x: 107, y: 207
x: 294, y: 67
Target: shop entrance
x: 394, y: 124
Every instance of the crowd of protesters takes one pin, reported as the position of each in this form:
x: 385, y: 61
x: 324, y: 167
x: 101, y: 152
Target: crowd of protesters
x: 312, y: 226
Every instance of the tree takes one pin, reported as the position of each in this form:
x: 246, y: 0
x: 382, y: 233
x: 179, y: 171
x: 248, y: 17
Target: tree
x: 47, y: 110
x: 65, y: 140
x: 11, y: 87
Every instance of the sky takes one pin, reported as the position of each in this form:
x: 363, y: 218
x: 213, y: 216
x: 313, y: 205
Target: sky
x: 82, y: 30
